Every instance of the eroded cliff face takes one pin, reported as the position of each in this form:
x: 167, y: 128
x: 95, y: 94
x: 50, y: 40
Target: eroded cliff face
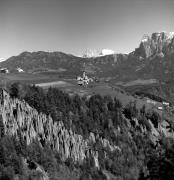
x: 19, y: 118
x: 158, y: 44
x: 164, y: 128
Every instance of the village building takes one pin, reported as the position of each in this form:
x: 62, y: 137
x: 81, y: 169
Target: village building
x: 4, y: 70
x: 160, y: 108
x: 19, y: 69
x: 84, y: 80
x: 151, y: 101
x: 166, y: 103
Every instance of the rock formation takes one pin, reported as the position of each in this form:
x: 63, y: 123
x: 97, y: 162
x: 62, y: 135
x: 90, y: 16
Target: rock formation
x: 18, y: 118
x: 158, y: 44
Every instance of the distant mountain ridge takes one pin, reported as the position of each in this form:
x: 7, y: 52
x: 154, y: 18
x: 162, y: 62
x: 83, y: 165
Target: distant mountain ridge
x: 152, y: 59
x: 33, y: 61
x: 51, y: 61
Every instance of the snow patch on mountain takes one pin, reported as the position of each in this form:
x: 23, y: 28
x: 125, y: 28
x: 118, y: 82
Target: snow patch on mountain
x: 170, y: 35
x: 2, y: 59
x: 105, y: 52
x: 145, y: 38
x: 97, y: 53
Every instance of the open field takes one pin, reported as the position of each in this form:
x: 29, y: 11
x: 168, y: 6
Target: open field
x: 137, y: 82
x: 102, y: 89
x: 69, y: 85
x: 33, y: 78
x: 54, y: 84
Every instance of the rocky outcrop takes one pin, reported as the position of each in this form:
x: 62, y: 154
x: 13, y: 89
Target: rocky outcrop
x: 34, y: 170
x: 18, y: 118
x: 158, y: 44
x: 164, y: 129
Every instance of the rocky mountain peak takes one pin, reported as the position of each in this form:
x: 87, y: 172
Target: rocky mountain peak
x: 158, y: 43
x: 88, y: 53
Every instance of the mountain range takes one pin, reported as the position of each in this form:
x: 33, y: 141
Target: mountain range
x: 152, y: 59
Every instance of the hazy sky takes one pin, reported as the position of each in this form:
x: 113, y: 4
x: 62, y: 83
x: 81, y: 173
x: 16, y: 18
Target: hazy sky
x: 74, y: 25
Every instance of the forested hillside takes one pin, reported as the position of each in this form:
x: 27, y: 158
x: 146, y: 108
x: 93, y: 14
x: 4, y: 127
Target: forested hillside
x: 124, y: 143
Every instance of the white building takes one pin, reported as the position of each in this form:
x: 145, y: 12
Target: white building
x: 165, y: 103
x: 151, y: 101
x: 19, y: 69
x: 160, y: 108
x: 4, y: 70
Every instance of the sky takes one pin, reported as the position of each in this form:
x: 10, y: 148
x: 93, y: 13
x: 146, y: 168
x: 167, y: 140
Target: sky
x: 72, y: 26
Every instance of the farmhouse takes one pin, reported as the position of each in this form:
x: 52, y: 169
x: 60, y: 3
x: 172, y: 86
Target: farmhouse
x: 165, y: 103
x: 19, y: 69
x: 151, y: 101
x: 4, y: 70
x: 160, y: 108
